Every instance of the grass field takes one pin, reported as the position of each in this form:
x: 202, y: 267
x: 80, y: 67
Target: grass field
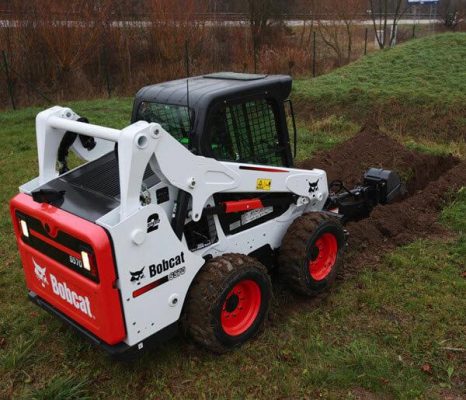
x: 416, y: 92
x: 396, y: 330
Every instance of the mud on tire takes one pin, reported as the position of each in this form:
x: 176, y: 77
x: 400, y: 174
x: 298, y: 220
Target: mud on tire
x: 227, y: 303
x: 311, y: 253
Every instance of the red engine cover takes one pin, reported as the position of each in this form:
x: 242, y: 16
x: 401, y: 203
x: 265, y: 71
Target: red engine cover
x: 94, y: 305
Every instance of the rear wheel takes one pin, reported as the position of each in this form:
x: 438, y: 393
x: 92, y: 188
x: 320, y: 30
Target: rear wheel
x: 311, y: 253
x: 228, y: 302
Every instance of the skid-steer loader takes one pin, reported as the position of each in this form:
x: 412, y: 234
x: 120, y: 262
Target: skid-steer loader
x: 177, y: 219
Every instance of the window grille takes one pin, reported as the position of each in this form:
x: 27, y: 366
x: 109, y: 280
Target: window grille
x: 174, y: 119
x: 246, y: 132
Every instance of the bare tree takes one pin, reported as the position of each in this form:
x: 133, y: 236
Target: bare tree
x: 452, y: 12
x: 261, y: 14
x: 382, y: 12
x: 59, y: 24
x: 337, y: 29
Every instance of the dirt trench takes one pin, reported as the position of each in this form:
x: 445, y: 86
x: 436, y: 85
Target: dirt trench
x: 370, y: 148
x: 430, y: 182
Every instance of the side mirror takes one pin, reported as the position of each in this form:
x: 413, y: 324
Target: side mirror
x: 290, y: 115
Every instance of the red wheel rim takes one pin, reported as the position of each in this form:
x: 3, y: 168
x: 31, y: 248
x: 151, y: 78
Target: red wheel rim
x: 323, y: 256
x: 241, y: 307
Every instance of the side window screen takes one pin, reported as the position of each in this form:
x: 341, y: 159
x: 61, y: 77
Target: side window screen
x: 247, y: 133
x: 174, y: 119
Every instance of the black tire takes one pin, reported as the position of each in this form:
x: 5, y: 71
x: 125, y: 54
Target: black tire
x: 215, y: 296
x: 309, y: 261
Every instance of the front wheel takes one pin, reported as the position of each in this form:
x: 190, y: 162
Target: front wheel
x: 311, y: 253
x: 228, y: 302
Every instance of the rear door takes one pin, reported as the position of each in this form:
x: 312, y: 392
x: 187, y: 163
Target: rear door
x: 69, y: 263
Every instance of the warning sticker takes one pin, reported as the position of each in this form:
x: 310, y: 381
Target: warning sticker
x: 263, y: 184
x: 252, y: 215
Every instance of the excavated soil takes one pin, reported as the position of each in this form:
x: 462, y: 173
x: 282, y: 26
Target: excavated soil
x: 402, y: 222
x: 429, y: 180
x: 371, y: 148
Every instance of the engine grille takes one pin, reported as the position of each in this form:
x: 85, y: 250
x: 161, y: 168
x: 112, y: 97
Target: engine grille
x: 102, y: 176
x: 93, y: 190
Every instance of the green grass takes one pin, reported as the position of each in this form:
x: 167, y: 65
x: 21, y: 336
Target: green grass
x: 415, y: 89
x: 454, y: 213
x: 61, y: 388
x: 387, y: 332
x: 323, y: 134
x: 457, y: 149
x: 422, y: 70
x: 373, y: 334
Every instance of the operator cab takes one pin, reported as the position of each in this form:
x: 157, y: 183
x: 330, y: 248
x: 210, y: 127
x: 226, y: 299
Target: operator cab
x: 227, y: 116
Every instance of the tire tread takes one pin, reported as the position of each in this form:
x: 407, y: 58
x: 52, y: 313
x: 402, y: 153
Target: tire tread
x: 204, y: 293
x: 294, y: 250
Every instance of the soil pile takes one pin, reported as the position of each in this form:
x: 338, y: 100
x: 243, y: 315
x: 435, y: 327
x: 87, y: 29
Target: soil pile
x: 371, y: 148
x: 403, y: 222
x: 429, y: 180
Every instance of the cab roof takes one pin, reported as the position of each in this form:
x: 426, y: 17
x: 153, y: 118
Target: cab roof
x: 205, y: 89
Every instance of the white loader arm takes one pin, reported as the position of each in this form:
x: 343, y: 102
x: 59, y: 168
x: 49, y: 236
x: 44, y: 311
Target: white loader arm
x: 202, y: 177
x: 141, y: 143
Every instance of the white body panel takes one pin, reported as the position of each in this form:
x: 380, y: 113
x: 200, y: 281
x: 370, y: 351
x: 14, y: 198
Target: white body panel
x: 138, y: 251
x: 159, y: 307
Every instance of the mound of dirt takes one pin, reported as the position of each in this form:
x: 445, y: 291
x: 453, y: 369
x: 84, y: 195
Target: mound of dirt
x: 403, y: 222
x: 431, y: 183
x: 371, y: 148
x: 429, y: 180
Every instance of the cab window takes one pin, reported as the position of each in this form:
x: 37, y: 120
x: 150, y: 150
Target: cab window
x: 246, y: 132
x: 173, y: 118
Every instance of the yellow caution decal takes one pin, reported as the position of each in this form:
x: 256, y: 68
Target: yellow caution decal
x: 263, y: 184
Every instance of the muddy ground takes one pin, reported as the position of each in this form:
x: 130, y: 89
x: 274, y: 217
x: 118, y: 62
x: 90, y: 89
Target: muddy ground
x: 371, y: 148
x: 430, y: 182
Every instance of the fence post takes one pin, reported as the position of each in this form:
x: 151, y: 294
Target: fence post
x: 365, y: 41
x: 414, y: 31
x: 254, y: 44
x: 8, y: 79
x: 314, y: 52
x: 107, y: 77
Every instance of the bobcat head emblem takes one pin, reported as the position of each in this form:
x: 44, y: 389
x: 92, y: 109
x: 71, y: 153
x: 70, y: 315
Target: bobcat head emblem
x: 153, y: 222
x: 313, y: 186
x: 137, y: 275
x: 40, y: 273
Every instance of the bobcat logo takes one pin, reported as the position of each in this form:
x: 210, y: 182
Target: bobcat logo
x: 137, y: 276
x: 40, y: 273
x: 313, y: 186
x: 153, y: 222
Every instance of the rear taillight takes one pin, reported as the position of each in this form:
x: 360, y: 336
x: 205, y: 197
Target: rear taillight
x: 86, y: 261
x: 64, y: 248
x: 24, y: 227
x: 89, y: 262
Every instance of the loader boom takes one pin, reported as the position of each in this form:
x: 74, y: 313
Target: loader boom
x: 145, y: 143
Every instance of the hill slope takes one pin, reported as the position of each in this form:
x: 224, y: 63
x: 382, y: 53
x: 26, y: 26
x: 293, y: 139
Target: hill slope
x: 418, y: 88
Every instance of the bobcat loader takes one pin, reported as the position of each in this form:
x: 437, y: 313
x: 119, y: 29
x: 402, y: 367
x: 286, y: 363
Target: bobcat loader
x: 176, y: 220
